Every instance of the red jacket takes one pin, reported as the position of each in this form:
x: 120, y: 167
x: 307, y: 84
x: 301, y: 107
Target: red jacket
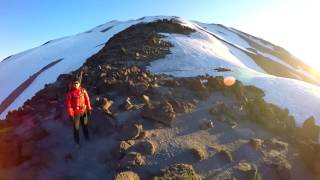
x: 77, y: 101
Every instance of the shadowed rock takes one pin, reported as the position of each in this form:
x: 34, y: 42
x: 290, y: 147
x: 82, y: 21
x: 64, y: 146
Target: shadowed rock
x: 162, y: 112
x: 130, y: 131
x: 131, y: 159
x: 178, y: 171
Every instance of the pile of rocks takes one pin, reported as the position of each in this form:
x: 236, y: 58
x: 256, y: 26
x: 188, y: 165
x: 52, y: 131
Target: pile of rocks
x: 141, y: 42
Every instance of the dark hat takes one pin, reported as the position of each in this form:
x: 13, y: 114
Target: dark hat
x: 76, y: 79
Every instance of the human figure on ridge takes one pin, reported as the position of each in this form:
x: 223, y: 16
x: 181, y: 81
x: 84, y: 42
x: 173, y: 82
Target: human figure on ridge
x: 79, y: 108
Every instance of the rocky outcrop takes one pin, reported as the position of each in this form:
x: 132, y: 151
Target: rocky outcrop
x: 269, y: 116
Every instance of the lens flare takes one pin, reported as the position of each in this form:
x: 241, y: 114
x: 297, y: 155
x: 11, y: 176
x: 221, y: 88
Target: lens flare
x: 229, y: 81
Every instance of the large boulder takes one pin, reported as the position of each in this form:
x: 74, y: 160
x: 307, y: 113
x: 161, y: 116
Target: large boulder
x: 162, y: 112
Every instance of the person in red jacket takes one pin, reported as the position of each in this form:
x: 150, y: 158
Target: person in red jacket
x: 79, y: 108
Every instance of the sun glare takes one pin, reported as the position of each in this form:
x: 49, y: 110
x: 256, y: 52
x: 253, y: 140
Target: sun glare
x: 229, y: 81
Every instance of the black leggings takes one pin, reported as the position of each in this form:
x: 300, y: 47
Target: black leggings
x: 77, y: 120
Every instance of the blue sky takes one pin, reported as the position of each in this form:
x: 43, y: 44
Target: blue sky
x: 29, y: 23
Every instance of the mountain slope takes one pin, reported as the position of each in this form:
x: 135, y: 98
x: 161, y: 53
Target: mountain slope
x: 210, y: 46
x: 164, y: 126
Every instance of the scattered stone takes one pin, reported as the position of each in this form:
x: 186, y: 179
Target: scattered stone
x: 232, y: 123
x: 243, y: 166
x: 138, y: 89
x: 130, y: 131
x: 146, y: 99
x: 106, y: 104
x: 200, y: 153
x: 225, y: 155
x: 127, y: 105
x: 123, y: 146
x: 147, y: 147
x: 127, y: 175
x: 143, y: 135
x: 256, y: 143
x: 207, y: 124
x: 132, y: 159
x: 163, y: 113
x: 245, y: 170
x: 181, y: 107
x: 275, y: 144
x: 178, y: 171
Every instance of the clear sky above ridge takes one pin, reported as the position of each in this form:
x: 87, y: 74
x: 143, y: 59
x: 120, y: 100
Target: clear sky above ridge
x: 292, y: 24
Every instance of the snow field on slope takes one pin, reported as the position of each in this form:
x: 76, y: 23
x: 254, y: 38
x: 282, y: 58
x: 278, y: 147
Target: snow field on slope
x: 199, y: 54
